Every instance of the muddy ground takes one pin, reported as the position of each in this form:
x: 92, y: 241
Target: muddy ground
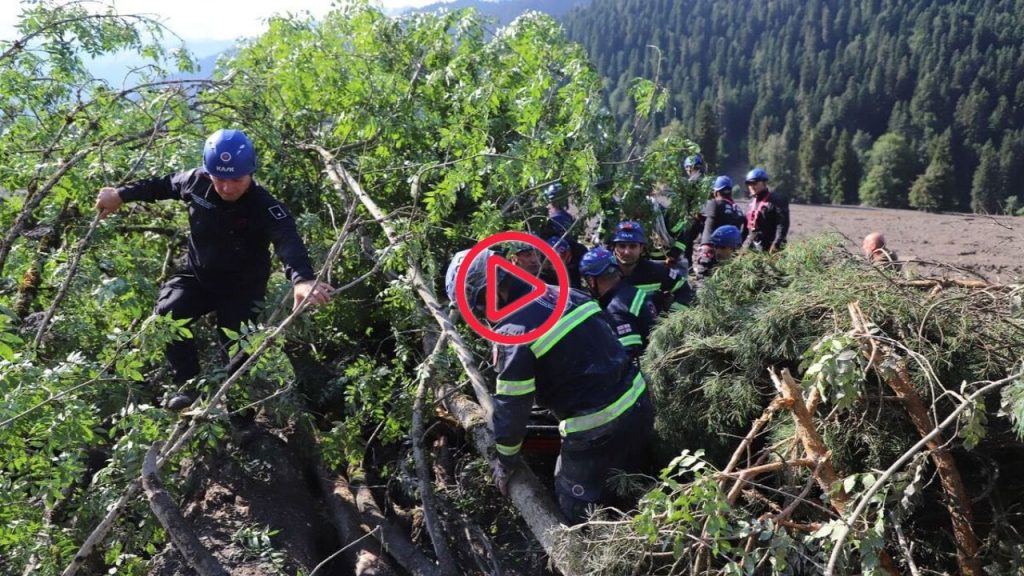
x: 992, y: 246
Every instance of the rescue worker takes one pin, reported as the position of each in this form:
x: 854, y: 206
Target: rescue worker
x: 768, y: 215
x: 694, y: 167
x: 721, y: 246
x: 669, y: 290
x: 877, y: 253
x: 565, y: 253
x: 721, y: 210
x: 558, y: 216
x: 688, y: 232
x: 525, y: 256
x: 577, y: 370
x: 232, y: 222
x: 629, y: 310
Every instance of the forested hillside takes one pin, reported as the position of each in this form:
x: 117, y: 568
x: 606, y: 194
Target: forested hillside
x: 897, y: 104
x: 505, y: 11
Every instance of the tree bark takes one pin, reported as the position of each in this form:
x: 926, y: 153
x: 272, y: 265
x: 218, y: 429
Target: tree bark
x: 167, y: 513
x: 367, y: 558
x: 957, y: 501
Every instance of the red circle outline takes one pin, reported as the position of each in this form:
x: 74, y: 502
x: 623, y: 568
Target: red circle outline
x: 563, y: 288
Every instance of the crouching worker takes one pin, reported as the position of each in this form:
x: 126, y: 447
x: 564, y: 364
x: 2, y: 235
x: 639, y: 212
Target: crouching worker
x: 232, y: 223
x: 721, y: 246
x: 630, y: 310
x: 578, y: 371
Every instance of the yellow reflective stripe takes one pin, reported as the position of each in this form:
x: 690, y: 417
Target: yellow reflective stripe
x: 676, y: 306
x: 606, y: 414
x: 681, y: 246
x: 649, y: 288
x: 632, y: 340
x: 516, y: 387
x: 638, y: 302
x: 679, y: 284
x: 678, y: 227
x: 542, y: 345
x: 508, y: 450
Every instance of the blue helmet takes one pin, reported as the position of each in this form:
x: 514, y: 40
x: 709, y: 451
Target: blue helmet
x: 629, y: 231
x: 695, y: 161
x: 552, y: 191
x: 757, y: 174
x: 476, y: 277
x: 229, y: 154
x: 558, y: 244
x: 596, y: 261
x: 722, y: 183
x: 727, y: 236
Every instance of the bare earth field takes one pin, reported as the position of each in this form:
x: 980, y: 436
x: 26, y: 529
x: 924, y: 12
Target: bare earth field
x: 991, y: 246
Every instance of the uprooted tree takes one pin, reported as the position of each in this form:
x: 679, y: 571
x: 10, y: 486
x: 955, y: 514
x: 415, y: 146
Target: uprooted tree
x: 355, y: 439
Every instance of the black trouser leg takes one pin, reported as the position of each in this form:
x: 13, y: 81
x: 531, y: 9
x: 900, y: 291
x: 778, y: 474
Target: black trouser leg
x: 182, y: 296
x: 232, y: 311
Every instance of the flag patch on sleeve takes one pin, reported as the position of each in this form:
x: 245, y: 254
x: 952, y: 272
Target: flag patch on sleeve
x: 277, y: 211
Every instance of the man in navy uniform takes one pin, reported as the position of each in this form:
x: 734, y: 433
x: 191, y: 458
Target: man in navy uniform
x: 578, y: 371
x: 232, y: 223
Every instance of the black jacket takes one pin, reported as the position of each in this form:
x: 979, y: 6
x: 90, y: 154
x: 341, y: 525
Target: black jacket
x: 668, y: 288
x: 229, y: 242
x: 631, y: 314
x: 768, y: 221
x: 721, y: 212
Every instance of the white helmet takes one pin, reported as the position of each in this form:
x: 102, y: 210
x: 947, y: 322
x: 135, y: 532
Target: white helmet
x: 476, y: 277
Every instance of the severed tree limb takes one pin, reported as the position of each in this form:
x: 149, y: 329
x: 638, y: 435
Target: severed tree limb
x: 445, y: 560
x: 166, y: 511
x: 532, y: 500
x: 393, y: 538
x: 880, y: 356
x: 367, y: 557
x: 815, y: 448
x: 343, y: 179
x: 907, y: 456
x: 525, y: 491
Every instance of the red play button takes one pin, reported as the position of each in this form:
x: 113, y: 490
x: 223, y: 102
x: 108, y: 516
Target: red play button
x: 537, y: 288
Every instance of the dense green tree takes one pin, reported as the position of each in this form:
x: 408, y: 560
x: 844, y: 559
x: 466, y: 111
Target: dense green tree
x: 844, y: 174
x: 708, y: 132
x: 890, y: 171
x: 985, y: 195
x: 935, y: 189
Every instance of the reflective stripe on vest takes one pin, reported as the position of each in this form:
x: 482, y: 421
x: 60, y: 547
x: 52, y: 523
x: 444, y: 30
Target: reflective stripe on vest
x: 516, y: 387
x: 631, y: 340
x: 508, y: 450
x: 543, y: 345
x: 637, y: 303
x: 649, y: 288
x: 606, y: 414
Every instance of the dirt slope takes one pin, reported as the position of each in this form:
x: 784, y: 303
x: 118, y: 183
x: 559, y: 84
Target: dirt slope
x: 992, y: 246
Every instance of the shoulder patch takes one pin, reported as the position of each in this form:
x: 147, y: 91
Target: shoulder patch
x: 277, y: 211
x: 202, y: 201
x: 623, y: 329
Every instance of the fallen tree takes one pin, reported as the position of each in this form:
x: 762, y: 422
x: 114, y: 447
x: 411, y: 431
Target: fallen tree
x: 896, y: 380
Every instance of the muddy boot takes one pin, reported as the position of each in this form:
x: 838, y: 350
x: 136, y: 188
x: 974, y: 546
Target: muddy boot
x: 181, y: 400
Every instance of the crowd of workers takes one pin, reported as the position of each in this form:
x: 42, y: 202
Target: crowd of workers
x: 584, y: 370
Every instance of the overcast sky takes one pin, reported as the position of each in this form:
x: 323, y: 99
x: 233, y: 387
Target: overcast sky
x: 205, y: 20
